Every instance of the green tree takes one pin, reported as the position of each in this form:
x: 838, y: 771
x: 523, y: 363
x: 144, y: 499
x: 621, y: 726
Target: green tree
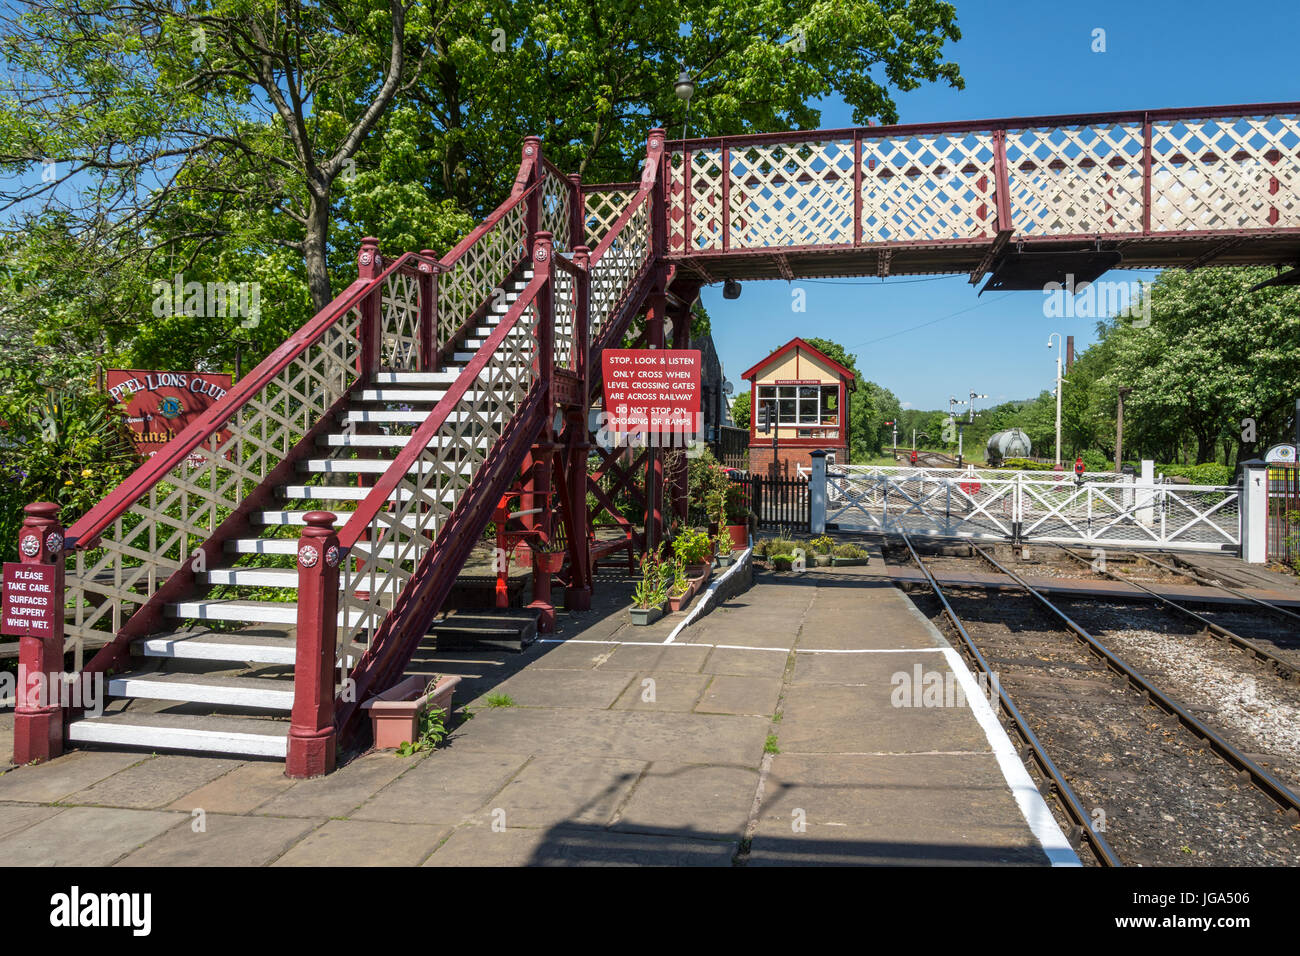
x: 740, y: 410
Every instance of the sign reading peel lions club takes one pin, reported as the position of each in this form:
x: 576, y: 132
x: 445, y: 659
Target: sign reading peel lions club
x: 28, y: 603
x: 159, y: 405
x: 652, y: 390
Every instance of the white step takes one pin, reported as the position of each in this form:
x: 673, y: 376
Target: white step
x: 290, y: 546
x: 334, y: 493
x: 224, y: 735
x: 252, y: 612
x: 428, y: 397
x: 443, y: 377
x: 261, y: 693
x: 250, y: 645
x: 377, y: 466
x: 352, y: 440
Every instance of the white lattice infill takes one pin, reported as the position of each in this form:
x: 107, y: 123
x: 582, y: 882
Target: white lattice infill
x: 928, y: 187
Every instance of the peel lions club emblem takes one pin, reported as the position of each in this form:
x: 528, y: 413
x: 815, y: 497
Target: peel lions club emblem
x: 171, y: 407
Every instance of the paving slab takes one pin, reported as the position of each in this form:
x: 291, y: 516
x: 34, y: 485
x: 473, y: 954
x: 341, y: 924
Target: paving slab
x: 364, y: 843
x: 863, y: 718
x: 691, y: 800
x: 6, y: 740
x: 19, y: 816
x: 897, y: 810
x: 659, y: 658
x: 154, y: 783
x: 729, y: 694
x: 223, y: 841
x: 595, y: 690
x: 85, y: 836
x: 446, y: 787
x: 743, y: 663
x: 246, y: 787
x: 68, y: 774
x: 563, y: 846
x: 669, y: 691
x: 339, y: 793
x: 554, y: 789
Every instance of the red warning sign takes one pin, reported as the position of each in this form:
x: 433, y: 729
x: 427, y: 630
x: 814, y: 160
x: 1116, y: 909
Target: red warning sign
x: 28, y: 606
x: 652, y: 390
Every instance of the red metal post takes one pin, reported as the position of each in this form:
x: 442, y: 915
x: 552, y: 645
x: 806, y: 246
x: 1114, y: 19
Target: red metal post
x: 531, y: 171
x: 369, y: 265
x: 1146, y: 173
x: 577, y: 596
x: 857, y: 187
x: 726, y: 198
x: 1001, y: 181
x: 428, y: 312
x: 539, y: 481
x: 38, y: 717
x: 680, y: 490
x: 312, y: 734
x: 577, y: 213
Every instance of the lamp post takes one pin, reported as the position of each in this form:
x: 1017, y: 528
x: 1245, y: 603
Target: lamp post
x: 1057, y: 336
x: 685, y: 89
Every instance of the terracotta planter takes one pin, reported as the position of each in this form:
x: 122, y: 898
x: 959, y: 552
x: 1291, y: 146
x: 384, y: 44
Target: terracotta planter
x: 395, y: 714
x: 699, y: 575
x: 550, y: 562
x: 679, y: 602
x: 646, y: 615
x: 739, y: 536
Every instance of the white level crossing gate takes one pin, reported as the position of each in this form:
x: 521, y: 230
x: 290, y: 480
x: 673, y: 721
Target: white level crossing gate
x: 1020, y: 506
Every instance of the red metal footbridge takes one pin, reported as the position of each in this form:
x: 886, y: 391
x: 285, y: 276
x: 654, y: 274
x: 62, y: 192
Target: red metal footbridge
x: 310, y: 526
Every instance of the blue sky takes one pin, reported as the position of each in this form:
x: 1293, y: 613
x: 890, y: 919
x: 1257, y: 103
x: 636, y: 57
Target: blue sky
x: 1018, y: 58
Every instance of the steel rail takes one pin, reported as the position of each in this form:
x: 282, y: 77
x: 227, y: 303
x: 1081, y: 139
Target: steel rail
x: 1284, y: 667
x: 1073, y: 807
x: 1246, y: 767
x: 1219, y: 584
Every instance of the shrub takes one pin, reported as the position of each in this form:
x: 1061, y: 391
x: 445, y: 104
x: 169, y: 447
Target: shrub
x: 652, y: 589
x: 692, y: 546
x: 822, y: 545
x: 850, y: 551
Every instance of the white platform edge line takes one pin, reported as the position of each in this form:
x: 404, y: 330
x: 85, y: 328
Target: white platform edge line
x: 1031, y: 802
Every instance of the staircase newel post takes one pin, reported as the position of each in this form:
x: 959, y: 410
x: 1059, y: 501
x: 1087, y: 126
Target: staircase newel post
x: 428, y: 311
x: 369, y: 265
x: 539, y: 482
x: 312, y: 735
x: 38, y: 716
x: 577, y: 596
x: 577, y: 213
x: 653, y: 173
x: 530, y: 173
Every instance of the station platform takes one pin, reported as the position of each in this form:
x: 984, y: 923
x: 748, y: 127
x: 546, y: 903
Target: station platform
x: 763, y: 734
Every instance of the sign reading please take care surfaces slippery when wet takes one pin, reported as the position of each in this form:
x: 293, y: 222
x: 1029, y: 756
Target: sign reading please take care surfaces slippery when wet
x: 28, y: 606
x: 651, y: 390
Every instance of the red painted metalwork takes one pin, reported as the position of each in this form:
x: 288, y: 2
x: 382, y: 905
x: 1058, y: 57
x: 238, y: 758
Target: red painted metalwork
x: 38, y: 716
x: 312, y: 735
x: 428, y: 310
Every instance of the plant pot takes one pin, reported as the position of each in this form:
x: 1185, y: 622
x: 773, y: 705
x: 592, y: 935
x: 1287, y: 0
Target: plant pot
x: 681, y: 600
x: 395, y: 714
x: 783, y: 563
x: 646, y: 615
x: 851, y: 562
x: 699, y: 572
x: 724, y: 560
x: 823, y: 560
x: 549, y: 562
x: 739, y: 536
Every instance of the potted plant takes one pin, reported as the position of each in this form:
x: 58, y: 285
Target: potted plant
x: 850, y: 556
x: 395, y: 714
x: 651, y: 592
x: 679, y: 585
x: 736, y: 513
x: 822, y: 549
x: 782, y: 561
x: 550, y: 555
x: 693, y: 549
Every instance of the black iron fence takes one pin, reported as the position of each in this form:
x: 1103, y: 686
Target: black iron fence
x: 779, y: 504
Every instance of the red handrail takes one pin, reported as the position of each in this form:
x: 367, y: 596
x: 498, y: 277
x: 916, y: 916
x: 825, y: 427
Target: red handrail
x: 378, y: 497
x: 987, y: 125
x: 94, y: 521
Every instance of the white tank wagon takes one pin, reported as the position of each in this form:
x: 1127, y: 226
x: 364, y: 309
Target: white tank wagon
x: 1011, y: 443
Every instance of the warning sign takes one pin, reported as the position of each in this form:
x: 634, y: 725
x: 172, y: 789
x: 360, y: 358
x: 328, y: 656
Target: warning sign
x: 655, y: 390
x: 29, y: 597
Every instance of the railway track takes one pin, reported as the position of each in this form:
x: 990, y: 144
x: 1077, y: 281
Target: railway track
x: 1163, y: 765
